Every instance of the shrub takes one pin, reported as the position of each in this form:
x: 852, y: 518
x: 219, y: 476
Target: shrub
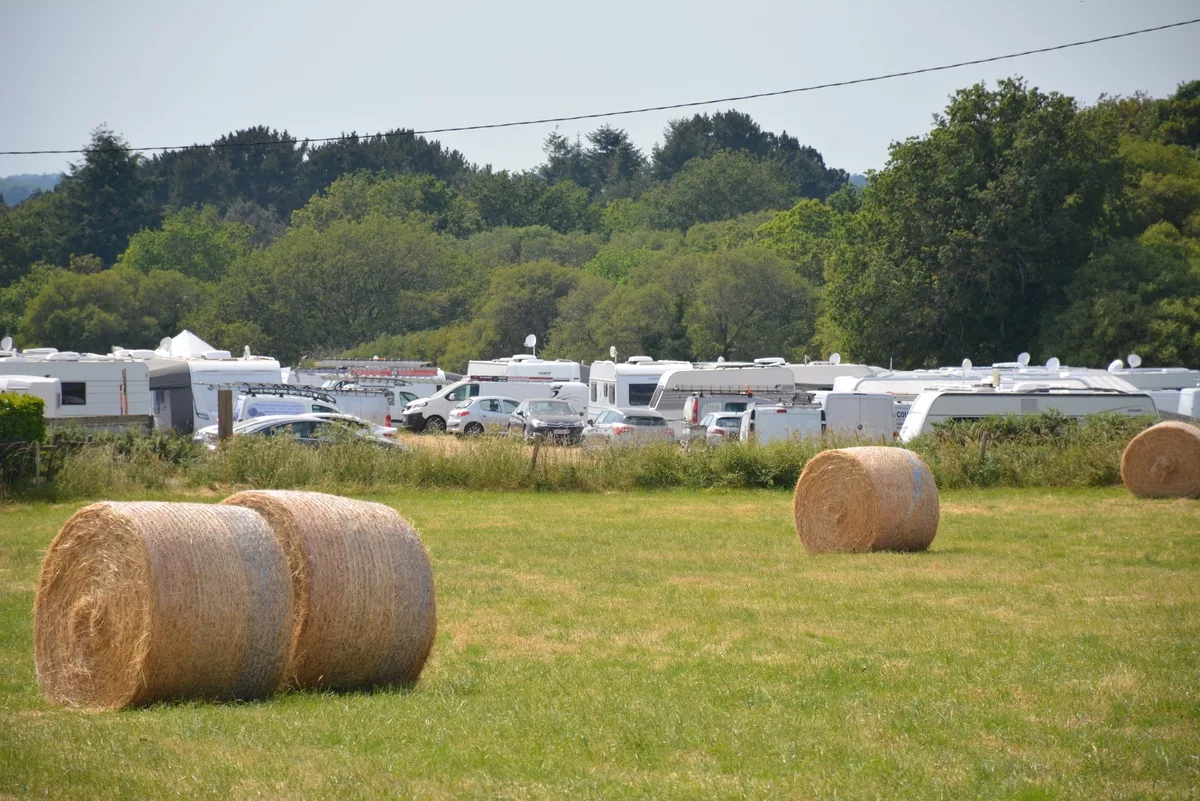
x: 22, y: 418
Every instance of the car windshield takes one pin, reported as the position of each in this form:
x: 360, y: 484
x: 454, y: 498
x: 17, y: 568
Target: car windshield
x: 551, y: 407
x: 645, y: 421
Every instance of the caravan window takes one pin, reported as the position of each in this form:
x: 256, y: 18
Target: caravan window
x: 74, y: 393
x: 593, y: 390
x: 640, y: 394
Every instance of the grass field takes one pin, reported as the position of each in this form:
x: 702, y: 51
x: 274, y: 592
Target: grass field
x: 682, y: 645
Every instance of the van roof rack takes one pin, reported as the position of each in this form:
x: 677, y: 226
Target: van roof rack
x: 317, y: 393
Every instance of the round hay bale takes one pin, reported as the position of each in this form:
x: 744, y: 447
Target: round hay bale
x: 142, y: 602
x: 866, y: 499
x: 362, y: 589
x: 1163, y: 462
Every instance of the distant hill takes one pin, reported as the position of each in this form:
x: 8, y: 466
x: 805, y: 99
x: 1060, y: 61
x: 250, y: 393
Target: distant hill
x: 16, y: 188
x: 859, y: 180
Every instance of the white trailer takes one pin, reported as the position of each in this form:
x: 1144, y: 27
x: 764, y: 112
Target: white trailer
x: 48, y: 389
x: 99, y: 392
x: 626, y: 385
x: 941, y: 405
x: 523, y: 365
x: 1189, y: 402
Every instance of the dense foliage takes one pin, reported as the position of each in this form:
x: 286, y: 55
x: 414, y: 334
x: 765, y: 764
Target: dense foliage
x: 1021, y: 221
x: 21, y: 418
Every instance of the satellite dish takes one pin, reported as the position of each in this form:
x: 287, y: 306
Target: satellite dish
x: 246, y: 352
x: 165, y: 344
x: 835, y: 358
x: 612, y: 352
x: 6, y: 343
x: 531, y: 341
x: 720, y: 360
x: 1023, y: 359
x: 966, y: 365
x: 1115, y: 365
x: 1053, y: 363
x: 1134, y: 360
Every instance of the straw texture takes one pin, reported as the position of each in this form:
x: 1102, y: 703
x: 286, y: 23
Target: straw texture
x: 362, y: 589
x: 866, y: 499
x: 142, y: 602
x: 1163, y: 462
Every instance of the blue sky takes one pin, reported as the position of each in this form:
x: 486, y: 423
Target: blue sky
x: 169, y: 73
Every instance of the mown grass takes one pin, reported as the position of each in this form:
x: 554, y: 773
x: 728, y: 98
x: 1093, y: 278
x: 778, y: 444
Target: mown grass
x: 1035, y: 451
x: 681, y: 645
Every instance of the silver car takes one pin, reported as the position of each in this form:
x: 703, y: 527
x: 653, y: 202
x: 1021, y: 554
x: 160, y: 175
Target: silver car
x: 628, y: 426
x: 307, y: 429
x: 487, y: 413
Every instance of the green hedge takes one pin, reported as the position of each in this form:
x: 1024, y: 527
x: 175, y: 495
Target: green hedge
x: 22, y: 418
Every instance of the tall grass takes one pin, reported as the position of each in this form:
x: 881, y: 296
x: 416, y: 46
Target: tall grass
x: 1037, y: 450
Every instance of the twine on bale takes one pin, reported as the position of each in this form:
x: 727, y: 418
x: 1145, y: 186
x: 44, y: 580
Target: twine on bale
x: 1163, y: 462
x: 866, y: 499
x: 362, y: 589
x: 143, y: 602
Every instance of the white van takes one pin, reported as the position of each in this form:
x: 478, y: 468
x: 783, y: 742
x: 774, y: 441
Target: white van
x: 763, y: 423
x: 431, y: 414
x: 855, y: 414
x: 1189, y: 402
x: 941, y: 405
x: 293, y: 400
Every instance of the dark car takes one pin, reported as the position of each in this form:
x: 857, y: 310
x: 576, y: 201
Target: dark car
x: 547, y: 418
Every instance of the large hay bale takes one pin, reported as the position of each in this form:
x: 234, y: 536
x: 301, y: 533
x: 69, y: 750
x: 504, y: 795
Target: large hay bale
x: 141, y: 602
x: 866, y: 499
x: 1163, y: 462
x: 362, y: 589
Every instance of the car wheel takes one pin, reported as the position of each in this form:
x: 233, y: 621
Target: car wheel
x: 435, y: 425
x: 473, y: 429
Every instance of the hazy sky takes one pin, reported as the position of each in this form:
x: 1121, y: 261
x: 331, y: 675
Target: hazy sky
x: 162, y: 73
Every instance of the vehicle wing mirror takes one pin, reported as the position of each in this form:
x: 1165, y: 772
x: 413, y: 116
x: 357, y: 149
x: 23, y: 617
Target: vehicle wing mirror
x: 591, y: 422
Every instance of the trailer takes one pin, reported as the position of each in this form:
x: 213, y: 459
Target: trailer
x: 94, y: 391
x: 626, y: 385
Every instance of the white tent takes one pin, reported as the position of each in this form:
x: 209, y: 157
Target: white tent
x: 185, y: 345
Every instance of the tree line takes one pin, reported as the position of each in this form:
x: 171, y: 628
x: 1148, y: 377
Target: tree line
x: 1021, y: 221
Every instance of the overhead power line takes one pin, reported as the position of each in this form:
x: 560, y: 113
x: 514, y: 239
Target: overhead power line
x: 624, y: 112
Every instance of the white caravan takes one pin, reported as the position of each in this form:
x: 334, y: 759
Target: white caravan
x: 431, y: 414
x: 1147, y: 378
x: 101, y: 392
x: 185, y: 372
x: 714, y: 384
x: 940, y: 405
x: 48, y: 389
x: 626, y: 385
x: 523, y: 365
x: 1189, y: 402
x: 819, y: 376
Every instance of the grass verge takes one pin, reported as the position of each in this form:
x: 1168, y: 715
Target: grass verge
x: 681, y: 645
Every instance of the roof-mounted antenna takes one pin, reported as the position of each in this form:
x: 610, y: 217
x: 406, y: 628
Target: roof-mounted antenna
x: 835, y: 358
x: 1134, y: 360
x: 1023, y: 359
x: 6, y: 343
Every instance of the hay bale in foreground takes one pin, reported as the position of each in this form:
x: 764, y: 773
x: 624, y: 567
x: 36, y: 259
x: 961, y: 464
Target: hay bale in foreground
x: 866, y: 499
x: 362, y: 589
x: 1163, y: 462
x: 142, y: 602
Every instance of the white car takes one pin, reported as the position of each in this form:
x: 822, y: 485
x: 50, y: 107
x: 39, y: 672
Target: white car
x: 307, y: 429
x: 488, y: 413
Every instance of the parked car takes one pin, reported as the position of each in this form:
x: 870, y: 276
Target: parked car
x: 628, y: 426
x: 548, y: 418
x: 307, y: 429
x: 722, y: 427
x: 474, y: 416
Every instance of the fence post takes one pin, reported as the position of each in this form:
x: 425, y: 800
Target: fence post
x: 537, y: 446
x: 224, y: 414
x: 983, y: 443
x: 37, y: 462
